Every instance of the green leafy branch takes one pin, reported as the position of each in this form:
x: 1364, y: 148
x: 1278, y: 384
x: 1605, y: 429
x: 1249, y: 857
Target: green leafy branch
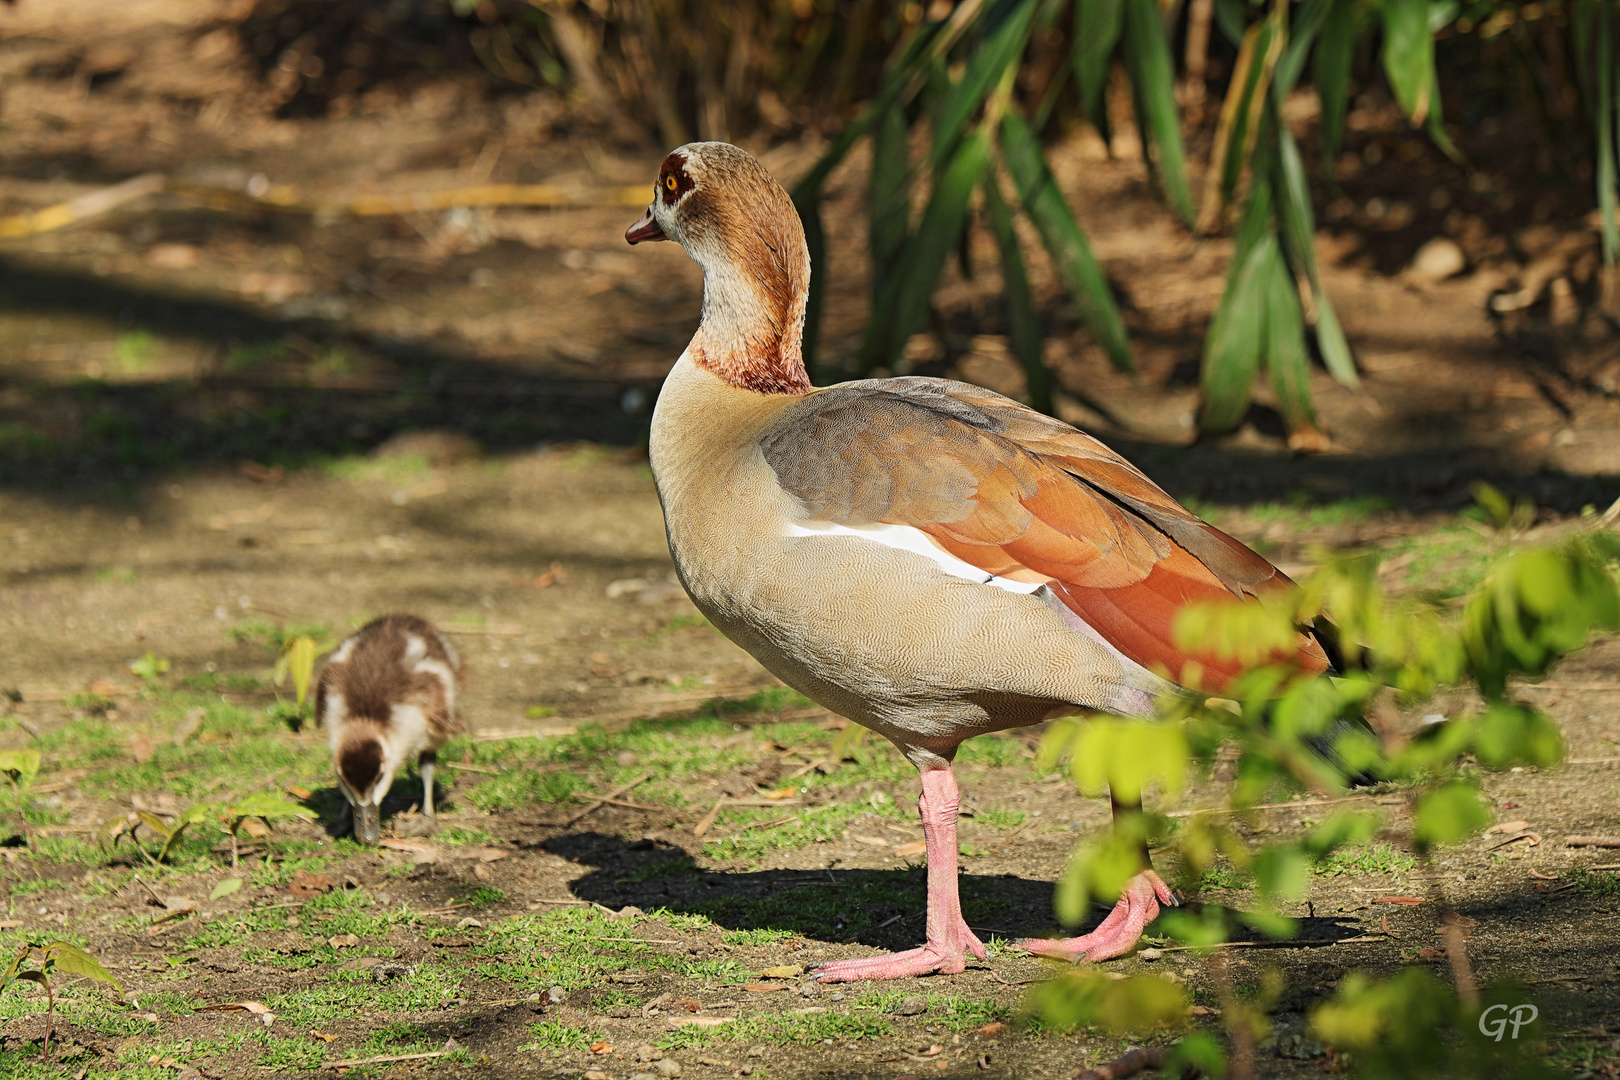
x: 57, y: 956
x: 226, y: 817
x: 1284, y: 734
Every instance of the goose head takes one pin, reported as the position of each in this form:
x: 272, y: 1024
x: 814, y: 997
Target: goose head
x: 366, y: 764
x: 721, y: 205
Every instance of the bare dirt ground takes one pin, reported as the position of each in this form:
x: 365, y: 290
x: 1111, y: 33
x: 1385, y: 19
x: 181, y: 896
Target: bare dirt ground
x: 222, y: 425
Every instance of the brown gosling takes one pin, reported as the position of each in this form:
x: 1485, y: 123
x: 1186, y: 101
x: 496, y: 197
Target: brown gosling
x: 387, y: 697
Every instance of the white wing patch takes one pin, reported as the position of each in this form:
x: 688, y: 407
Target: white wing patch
x: 337, y: 710
x: 444, y: 675
x: 407, y: 734
x: 907, y: 538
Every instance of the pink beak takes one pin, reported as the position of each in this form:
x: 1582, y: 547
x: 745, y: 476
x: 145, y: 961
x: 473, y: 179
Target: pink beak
x: 645, y: 229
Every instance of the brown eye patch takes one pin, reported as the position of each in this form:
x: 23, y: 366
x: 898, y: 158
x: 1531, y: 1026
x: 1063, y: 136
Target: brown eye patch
x: 673, y: 178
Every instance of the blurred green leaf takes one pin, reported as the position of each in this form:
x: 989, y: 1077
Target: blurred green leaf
x: 1330, y: 67
x: 1448, y: 813
x: 1198, y: 1054
x: 1139, y: 1004
x: 1285, y: 344
x: 149, y: 667
x: 1097, y: 25
x: 1023, y: 322
x: 1236, y: 342
x: 1283, y: 872
x: 1124, y: 756
x: 889, y: 196
x: 1153, y: 86
x: 20, y: 766
x: 907, y: 294
x: 1076, y: 266
x: 75, y: 961
x: 1341, y: 830
x: 988, y: 65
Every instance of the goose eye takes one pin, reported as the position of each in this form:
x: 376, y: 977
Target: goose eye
x: 669, y: 182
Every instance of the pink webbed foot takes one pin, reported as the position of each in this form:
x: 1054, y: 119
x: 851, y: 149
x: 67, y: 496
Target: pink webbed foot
x: 1117, y: 934
x: 945, y: 958
x: 949, y: 939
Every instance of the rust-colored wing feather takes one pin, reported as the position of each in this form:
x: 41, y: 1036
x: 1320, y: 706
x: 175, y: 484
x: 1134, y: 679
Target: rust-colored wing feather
x: 1021, y: 495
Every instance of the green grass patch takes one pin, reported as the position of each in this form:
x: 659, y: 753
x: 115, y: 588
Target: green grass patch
x: 1373, y: 858
x: 955, y: 1012
x: 787, y: 1029
x: 554, y: 1035
x: 762, y: 935
x: 393, y: 469
x: 1594, y: 882
x: 1225, y: 876
x: 998, y: 818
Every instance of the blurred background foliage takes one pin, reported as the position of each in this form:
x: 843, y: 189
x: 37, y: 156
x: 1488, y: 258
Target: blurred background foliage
x: 956, y: 100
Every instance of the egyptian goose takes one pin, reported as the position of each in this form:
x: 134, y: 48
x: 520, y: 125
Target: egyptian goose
x: 928, y: 558
x: 387, y: 697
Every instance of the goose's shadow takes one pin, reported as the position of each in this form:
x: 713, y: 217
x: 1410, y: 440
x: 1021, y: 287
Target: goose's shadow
x: 883, y: 909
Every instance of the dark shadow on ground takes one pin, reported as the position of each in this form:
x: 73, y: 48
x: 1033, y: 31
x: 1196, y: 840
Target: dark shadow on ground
x: 122, y: 433
x: 880, y: 908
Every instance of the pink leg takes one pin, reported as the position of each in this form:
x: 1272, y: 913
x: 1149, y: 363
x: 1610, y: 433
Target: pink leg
x: 1117, y: 934
x: 949, y: 939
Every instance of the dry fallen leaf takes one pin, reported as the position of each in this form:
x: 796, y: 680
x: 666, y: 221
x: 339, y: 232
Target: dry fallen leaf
x: 321, y: 1035
x: 1451, y: 918
x: 298, y: 792
x: 700, y: 1021
x: 251, y: 1006
x: 689, y: 1004
x: 141, y: 748
x: 422, y: 854
x: 603, y: 1047
x: 307, y: 884
x: 781, y: 793
x: 1407, y: 900
x: 916, y: 847
x: 10, y: 924
x: 1431, y: 953
x: 555, y: 576
x: 760, y: 988
x: 1507, y: 827
x: 483, y: 854
x: 783, y: 971
x: 343, y: 941
x: 995, y: 1027
x: 225, y: 888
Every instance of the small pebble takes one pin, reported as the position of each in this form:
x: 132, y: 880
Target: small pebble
x: 648, y: 1053
x: 644, y: 1076
x: 625, y: 759
x: 756, y: 1051
x: 1150, y: 954
x: 555, y: 995
x: 1437, y: 260
x: 621, y: 1012
x: 668, y: 1067
x: 911, y: 1006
